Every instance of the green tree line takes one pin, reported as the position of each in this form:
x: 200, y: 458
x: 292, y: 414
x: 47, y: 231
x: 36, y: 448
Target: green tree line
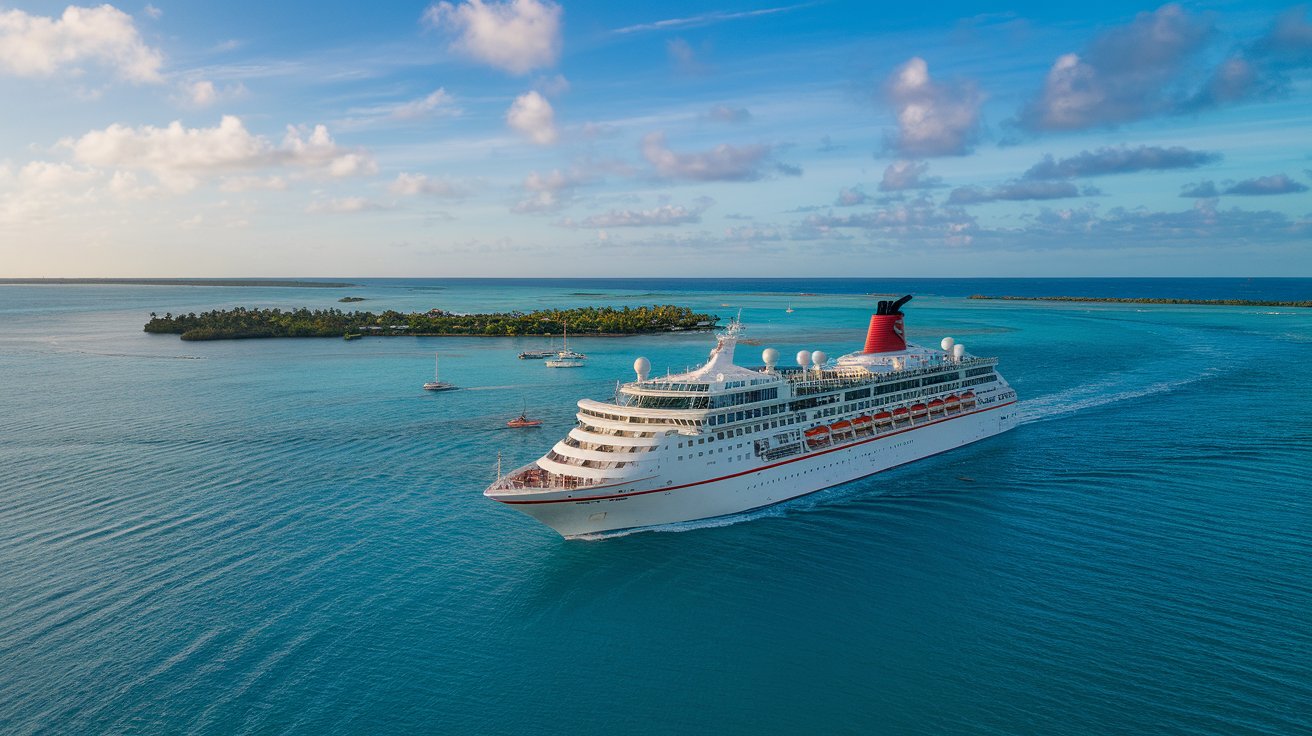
x: 241, y: 322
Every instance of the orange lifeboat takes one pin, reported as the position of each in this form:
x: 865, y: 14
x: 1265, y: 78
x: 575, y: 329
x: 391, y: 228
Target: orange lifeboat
x: 968, y: 398
x: 883, y: 417
x: 935, y: 406
x: 951, y: 401
x: 919, y: 410
x: 817, y: 436
x: 844, y: 428
x: 901, y: 414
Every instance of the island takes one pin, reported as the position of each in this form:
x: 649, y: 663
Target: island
x: 281, y: 283
x: 243, y: 323
x: 350, y: 299
x: 1136, y: 300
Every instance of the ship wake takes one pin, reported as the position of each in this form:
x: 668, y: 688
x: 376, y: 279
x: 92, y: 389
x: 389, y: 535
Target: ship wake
x: 1092, y: 396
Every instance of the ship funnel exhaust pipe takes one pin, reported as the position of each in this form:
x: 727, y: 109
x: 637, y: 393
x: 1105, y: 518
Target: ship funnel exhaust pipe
x: 886, y: 333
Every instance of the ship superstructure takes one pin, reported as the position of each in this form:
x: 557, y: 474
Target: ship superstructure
x: 725, y: 438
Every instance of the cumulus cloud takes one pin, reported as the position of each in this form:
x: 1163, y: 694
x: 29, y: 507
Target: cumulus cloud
x: 1016, y: 191
x: 516, y: 36
x: 903, y: 175
x: 1120, y: 160
x: 663, y: 216
x: 39, y: 46
x: 178, y: 155
x: 439, y: 102
x: 203, y: 93
x: 726, y: 114
x: 550, y: 191
x: 1127, y: 73
x: 851, y: 197
x: 917, y: 220
x: 722, y: 163
x: 1259, y: 71
x: 410, y: 185
x: 1200, y: 190
x: 253, y: 183
x: 1276, y: 184
x: 933, y: 119
x: 533, y: 116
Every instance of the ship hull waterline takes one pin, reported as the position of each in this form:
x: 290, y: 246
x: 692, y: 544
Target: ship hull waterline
x: 742, y: 491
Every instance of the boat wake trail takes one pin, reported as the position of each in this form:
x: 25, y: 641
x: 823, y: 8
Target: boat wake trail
x: 689, y: 526
x: 1092, y: 396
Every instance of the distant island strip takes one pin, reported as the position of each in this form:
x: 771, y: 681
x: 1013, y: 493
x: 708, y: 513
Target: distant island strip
x: 1133, y: 300
x: 190, y: 282
x: 242, y: 323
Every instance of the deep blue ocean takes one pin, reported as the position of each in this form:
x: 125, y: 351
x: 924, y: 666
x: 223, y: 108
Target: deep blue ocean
x: 289, y: 536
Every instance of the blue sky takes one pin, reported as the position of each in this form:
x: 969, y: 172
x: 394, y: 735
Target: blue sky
x: 534, y: 138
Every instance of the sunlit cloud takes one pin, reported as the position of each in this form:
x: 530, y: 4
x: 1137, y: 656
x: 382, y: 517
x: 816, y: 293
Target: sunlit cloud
x: 533, y: 117
x: 933, y: 119
x: 39, y: 46
x: 516, y: 36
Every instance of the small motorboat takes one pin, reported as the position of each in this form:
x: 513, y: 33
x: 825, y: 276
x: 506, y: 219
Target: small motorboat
x: 523, y: 421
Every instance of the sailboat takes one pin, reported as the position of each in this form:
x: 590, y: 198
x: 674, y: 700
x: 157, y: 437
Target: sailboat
x: 789, y: 310
x: 437, y: 384
x: 566, y: 358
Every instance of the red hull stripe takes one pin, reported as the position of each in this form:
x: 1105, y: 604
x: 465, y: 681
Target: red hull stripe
x: 753, y: 470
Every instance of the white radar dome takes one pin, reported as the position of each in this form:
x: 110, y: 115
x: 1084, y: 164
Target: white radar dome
x: 770, y: 356
x: 804, y: 358
x: 642, y: 367
x: 947, y: 344
x: 958, y: 351
x: 819, y: 358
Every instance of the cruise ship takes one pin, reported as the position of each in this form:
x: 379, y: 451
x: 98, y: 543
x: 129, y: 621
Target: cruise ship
x: 724, y: 438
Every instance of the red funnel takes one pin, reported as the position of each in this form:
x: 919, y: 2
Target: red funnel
x: 886, y: 334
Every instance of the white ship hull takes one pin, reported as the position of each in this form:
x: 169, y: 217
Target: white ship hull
x: 743, y: 487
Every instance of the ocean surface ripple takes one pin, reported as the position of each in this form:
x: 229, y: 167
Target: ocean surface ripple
x: 289, y: 535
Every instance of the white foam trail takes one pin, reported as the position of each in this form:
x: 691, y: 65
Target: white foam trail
x: 1080, y: 398
x: 688, y: 526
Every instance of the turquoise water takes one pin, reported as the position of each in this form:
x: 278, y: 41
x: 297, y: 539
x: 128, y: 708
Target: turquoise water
x: 289, y: 535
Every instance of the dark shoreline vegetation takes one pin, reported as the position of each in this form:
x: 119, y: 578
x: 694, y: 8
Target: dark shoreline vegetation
x: 350, y: 299
x: 243, y: 323
x: 1145, y: 300
x: 282, y: 283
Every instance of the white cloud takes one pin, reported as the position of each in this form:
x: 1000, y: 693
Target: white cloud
x: 517, y: 36
x: 253, y: 183
x: 152, y: 11
x: 933, y: 119
x: 38, y: 46
x: 48, y: 175
x: 551, y: 191
x: 683, y: 57
x: 438, y: 103
x: 532, y: 115
x: 203, y: 93
x: 179, y: 156
x: 902, y: 175
x: 553, y: 86
x: 409, y: 185
x: 344, y: 205
x: 722, y: 163
x: 663, y: 216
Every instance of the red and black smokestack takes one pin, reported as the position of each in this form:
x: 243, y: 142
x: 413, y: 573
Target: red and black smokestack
x: 886, y: 333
